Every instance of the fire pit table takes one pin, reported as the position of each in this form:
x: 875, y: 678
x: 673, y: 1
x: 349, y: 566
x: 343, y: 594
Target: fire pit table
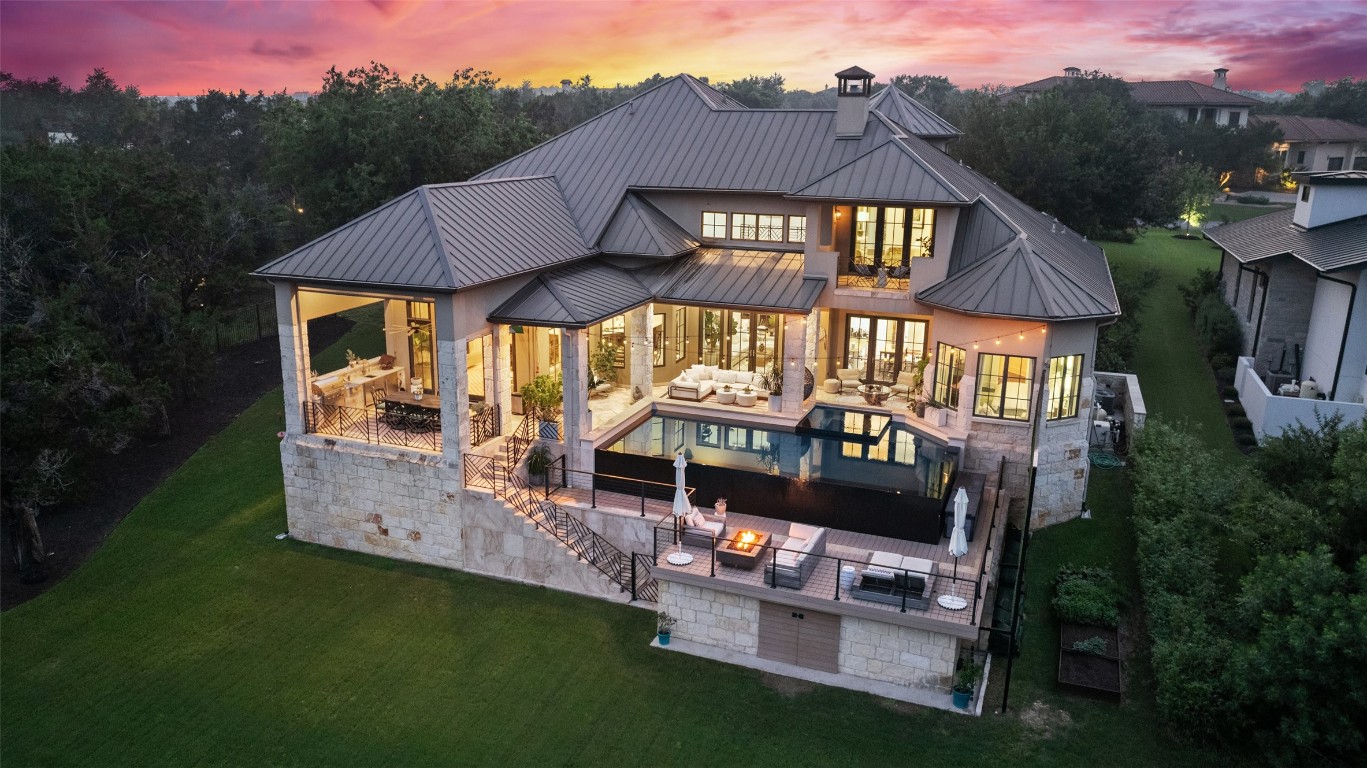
x: 742, y: 550
x: 875, y: 394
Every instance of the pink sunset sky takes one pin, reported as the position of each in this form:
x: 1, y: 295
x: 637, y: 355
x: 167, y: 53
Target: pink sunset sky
x: 169, y: 48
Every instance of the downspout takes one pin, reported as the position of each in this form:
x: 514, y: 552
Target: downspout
x: 1347, y: 321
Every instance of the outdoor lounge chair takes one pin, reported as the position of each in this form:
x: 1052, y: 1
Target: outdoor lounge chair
x: 849, y: 378
x: 797, y: 558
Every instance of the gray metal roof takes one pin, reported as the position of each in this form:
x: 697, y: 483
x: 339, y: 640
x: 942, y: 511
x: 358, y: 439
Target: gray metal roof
x: 573, y: 296
x: 444, y: 237
x: 641, y: 229
x: 981, y: 234
x: 911, y: 114
x: 1016, y: 282
x: 1327, y: 247
x: 888, y: 173
x: 728, y: 277
x: 671, y: 137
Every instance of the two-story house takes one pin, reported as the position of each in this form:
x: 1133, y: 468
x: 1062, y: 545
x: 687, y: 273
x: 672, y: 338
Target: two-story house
x: 834, y: 322
x: 1185, y: 100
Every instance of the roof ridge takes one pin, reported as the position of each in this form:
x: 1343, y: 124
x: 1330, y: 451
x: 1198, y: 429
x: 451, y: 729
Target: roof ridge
x: 901, y: 142
x: 335, y: 230
x: 569, y: 306
x: 446, y: 256
x: 476, y: 182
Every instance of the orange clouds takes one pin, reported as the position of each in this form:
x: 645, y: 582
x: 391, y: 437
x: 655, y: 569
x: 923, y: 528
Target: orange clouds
x: 169, y: 48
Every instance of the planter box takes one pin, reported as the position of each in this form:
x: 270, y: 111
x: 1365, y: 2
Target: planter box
x: 1086, y: 670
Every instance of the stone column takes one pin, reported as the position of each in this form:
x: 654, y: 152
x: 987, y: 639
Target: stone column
x: 294, y: 356
x: 642, y: 350
x: 502, y: 373
x: 794, y: 359
x: 574, y: 353
x: 964, y: 416
x: 810, y: 354
x: 452, y: 384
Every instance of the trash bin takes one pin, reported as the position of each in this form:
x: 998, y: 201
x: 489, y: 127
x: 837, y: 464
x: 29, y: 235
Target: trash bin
x: 846, y: 577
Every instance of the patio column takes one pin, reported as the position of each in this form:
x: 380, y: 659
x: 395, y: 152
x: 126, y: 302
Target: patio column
x: 794, y: 362
x: 486, y: 348
x: 964, y: 416
x: 809, y: 354
x: 502, y: 388
x: 574, y: 355
x: 294, y: 356
x: 452, y: 384
x: 642, y: 346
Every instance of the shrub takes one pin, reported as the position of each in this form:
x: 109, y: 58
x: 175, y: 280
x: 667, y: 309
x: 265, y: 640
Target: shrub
x: 1218, y: 328
x: 1234, y: 409
x: 1253, y: 200
x: 1240, y: 422
x: 1206, y: 283
x: 1247, y: 439
x: 1224, y: 374
x: 1087, y: 596
x: 1093, y: 645
x: 1230, y: 393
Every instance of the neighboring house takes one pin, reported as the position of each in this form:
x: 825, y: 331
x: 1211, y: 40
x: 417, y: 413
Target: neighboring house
x: 1183, y: 99
x: 681, y: 247
x: 1296, y: 280
x: 1318, y: 143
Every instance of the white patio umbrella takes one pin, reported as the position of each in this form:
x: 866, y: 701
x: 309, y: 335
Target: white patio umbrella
x: 681, y: 508
x: 958, y: 546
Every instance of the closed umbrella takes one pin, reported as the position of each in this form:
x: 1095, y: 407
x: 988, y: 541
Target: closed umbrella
x: 958, y: 546
x: 681, y: 508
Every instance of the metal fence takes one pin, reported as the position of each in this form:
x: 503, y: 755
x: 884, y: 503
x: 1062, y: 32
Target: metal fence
x: 367, y: 424
x: 239, y: 326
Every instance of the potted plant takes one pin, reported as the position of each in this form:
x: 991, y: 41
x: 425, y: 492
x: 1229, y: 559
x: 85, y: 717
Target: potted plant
x: 538, y: 460
x: 602, y: 364
x: 775, y: 382
x: 916, y: 397
x: 544, y: 396
x: 965, y: 680
x: 664, y: 624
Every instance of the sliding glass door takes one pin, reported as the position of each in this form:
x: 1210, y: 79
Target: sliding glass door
x: 882, y: 347
x: 740, y: 341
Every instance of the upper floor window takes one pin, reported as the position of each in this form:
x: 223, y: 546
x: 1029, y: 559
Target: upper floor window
x: 1234, y: 118
x: 797, y: 229
x: 744, y: 226
x: 1065, y: 383
x: 949, y: 369
x: 714, y: 224
x: 1300, y: 157
x: 1003, y: 387
x: 771, y: 227
x: 1335, y: 164
x: 890, y: 237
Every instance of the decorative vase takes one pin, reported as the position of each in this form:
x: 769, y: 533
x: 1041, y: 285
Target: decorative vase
x: 664, y: 638
x: 775, y: 403
x: 720, y: 506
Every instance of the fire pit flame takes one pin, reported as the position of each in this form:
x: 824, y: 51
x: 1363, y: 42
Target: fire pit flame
x: 745, y: 540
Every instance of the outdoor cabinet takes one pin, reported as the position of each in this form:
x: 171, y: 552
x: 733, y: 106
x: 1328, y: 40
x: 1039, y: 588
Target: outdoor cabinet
x: 799, y: 636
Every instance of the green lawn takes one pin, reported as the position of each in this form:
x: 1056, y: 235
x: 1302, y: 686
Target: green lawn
x: 194, y: 637
x: 1233, y: 213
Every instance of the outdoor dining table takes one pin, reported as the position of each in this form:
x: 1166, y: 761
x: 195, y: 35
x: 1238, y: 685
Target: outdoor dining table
x: 412, y: 414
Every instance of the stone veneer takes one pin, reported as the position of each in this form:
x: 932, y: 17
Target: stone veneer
x: 870, y: 649
x: 409, y: 505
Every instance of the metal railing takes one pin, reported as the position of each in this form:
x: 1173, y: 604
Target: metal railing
x: 521, y: 438
x: 485, y: 425
x: 822, y: 575
x: 368, y: 425
x: 557, y: 477
x: 643, y: 583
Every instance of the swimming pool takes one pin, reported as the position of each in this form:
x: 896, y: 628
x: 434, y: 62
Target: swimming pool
x: 844, y: 468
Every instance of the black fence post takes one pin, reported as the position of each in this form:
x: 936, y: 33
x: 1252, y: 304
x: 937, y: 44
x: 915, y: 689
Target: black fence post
x: 714, y: 557
x: 633, y: 577
x: 643, y: 498
x: 773, y: 573
x: 838, y: 563
x: 905, y: 585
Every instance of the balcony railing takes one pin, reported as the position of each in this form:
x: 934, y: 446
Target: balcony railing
x: 873, y: 278
x: 368, y: 424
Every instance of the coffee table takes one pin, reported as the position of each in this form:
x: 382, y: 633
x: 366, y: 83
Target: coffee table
x: 746, y: 399
x: 875, y: 394
x: 728, y: 554
x: 726, y: 397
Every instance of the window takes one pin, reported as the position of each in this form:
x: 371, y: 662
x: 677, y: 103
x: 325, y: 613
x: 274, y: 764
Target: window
x: 614, y: 331
x: 422, y: 351
x: 1305, y: 193
x: 1192, y: 113
x: 880, y: 348
x: 797, y: 229
x: 1003, y: 387
x: 1208, y: 114
x: 1335, y: 164
x: 949, y: 369
x: 680, y: 336
x: 771, y: 227
x: 744, y: 226
x: 1300, y: 157
x: 1234, y: 119
x: 714, y: 224
x: 889, y: 237
x: 1065, y: 382
x: 657, y: 338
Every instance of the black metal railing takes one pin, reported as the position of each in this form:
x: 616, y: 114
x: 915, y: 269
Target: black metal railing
x: 520, y: 439
x: 819, y: 575
x: 643, y: 583
x: 557, y: 477
x: 485, y: 472
x: 368, y: 424
x: 485, y: 425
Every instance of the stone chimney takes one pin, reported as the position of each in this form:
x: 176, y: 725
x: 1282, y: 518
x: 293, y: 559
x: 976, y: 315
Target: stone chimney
x: 1220, y: 81
x: 566, y: 85
x: 852, y: 102
x: 1071, y: 72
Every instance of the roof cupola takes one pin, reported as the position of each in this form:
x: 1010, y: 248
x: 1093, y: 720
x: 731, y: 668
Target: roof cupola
x: 852, y: 106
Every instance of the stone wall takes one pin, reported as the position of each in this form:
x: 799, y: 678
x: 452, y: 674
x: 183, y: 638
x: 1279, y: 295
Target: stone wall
x: 905, y: 655
x: 1284, y: 311
x: 409, y: 505
x: 706, y: 616
x: 988, y: 441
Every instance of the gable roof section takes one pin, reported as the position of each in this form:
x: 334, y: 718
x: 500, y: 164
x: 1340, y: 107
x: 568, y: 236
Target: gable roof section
x: 1042, y: 85
x: 444, y: 237
x: 726, y: 277
x: 1184, y: 92
x: 640, y: 229
x: 911, y: 114
x: 673, y: 137
x: 573, y: 296
x: 1326, y: 248
x: 980, y: 236
x: 1296, y: 128
x: 1015, y: 281
x: 889, y: 173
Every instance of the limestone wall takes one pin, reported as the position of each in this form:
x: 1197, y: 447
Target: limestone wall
x: 906, y: 655
x: 709, y: 617
x: 410, y: 506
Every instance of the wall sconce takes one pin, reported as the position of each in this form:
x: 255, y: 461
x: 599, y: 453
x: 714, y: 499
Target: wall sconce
x: 837, y: 214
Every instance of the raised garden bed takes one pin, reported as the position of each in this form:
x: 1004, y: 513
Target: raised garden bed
x: 1083, y: 669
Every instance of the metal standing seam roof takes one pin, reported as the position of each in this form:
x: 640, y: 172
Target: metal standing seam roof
x: 1328, y: 247
x: 1299, y: 129
x: 641, y: 229
x: 911, y: 114
x: 888, y: 173
x: 574, y: 296
x: 444, y: 237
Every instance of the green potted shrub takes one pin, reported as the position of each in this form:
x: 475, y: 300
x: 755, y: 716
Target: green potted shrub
x: 965, y: 680
x: 602, y: 365
x: 543, y: 396
x: 664, y: 624
x: 538, y: 460
x: 916, y: 398
x: 775, y: 382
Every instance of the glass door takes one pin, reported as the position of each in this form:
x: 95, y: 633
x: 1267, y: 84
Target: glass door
x: 857, y: 343
x: 885, y: 351
x: 882, y: 347
x: 740, y: 342
x: 422, y: 351
x: 711, y: 337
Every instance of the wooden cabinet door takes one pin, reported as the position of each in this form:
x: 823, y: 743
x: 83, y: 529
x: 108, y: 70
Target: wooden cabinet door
x: 798, y: 636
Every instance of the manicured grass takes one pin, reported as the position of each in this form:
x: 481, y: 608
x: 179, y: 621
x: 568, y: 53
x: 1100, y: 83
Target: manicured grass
x: 1233, y: 213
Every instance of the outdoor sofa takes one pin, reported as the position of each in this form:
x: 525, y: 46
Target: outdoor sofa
x: 698, y: 381
x: 700, y: 528
x: 796, y: 558
x: 888, y: 578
